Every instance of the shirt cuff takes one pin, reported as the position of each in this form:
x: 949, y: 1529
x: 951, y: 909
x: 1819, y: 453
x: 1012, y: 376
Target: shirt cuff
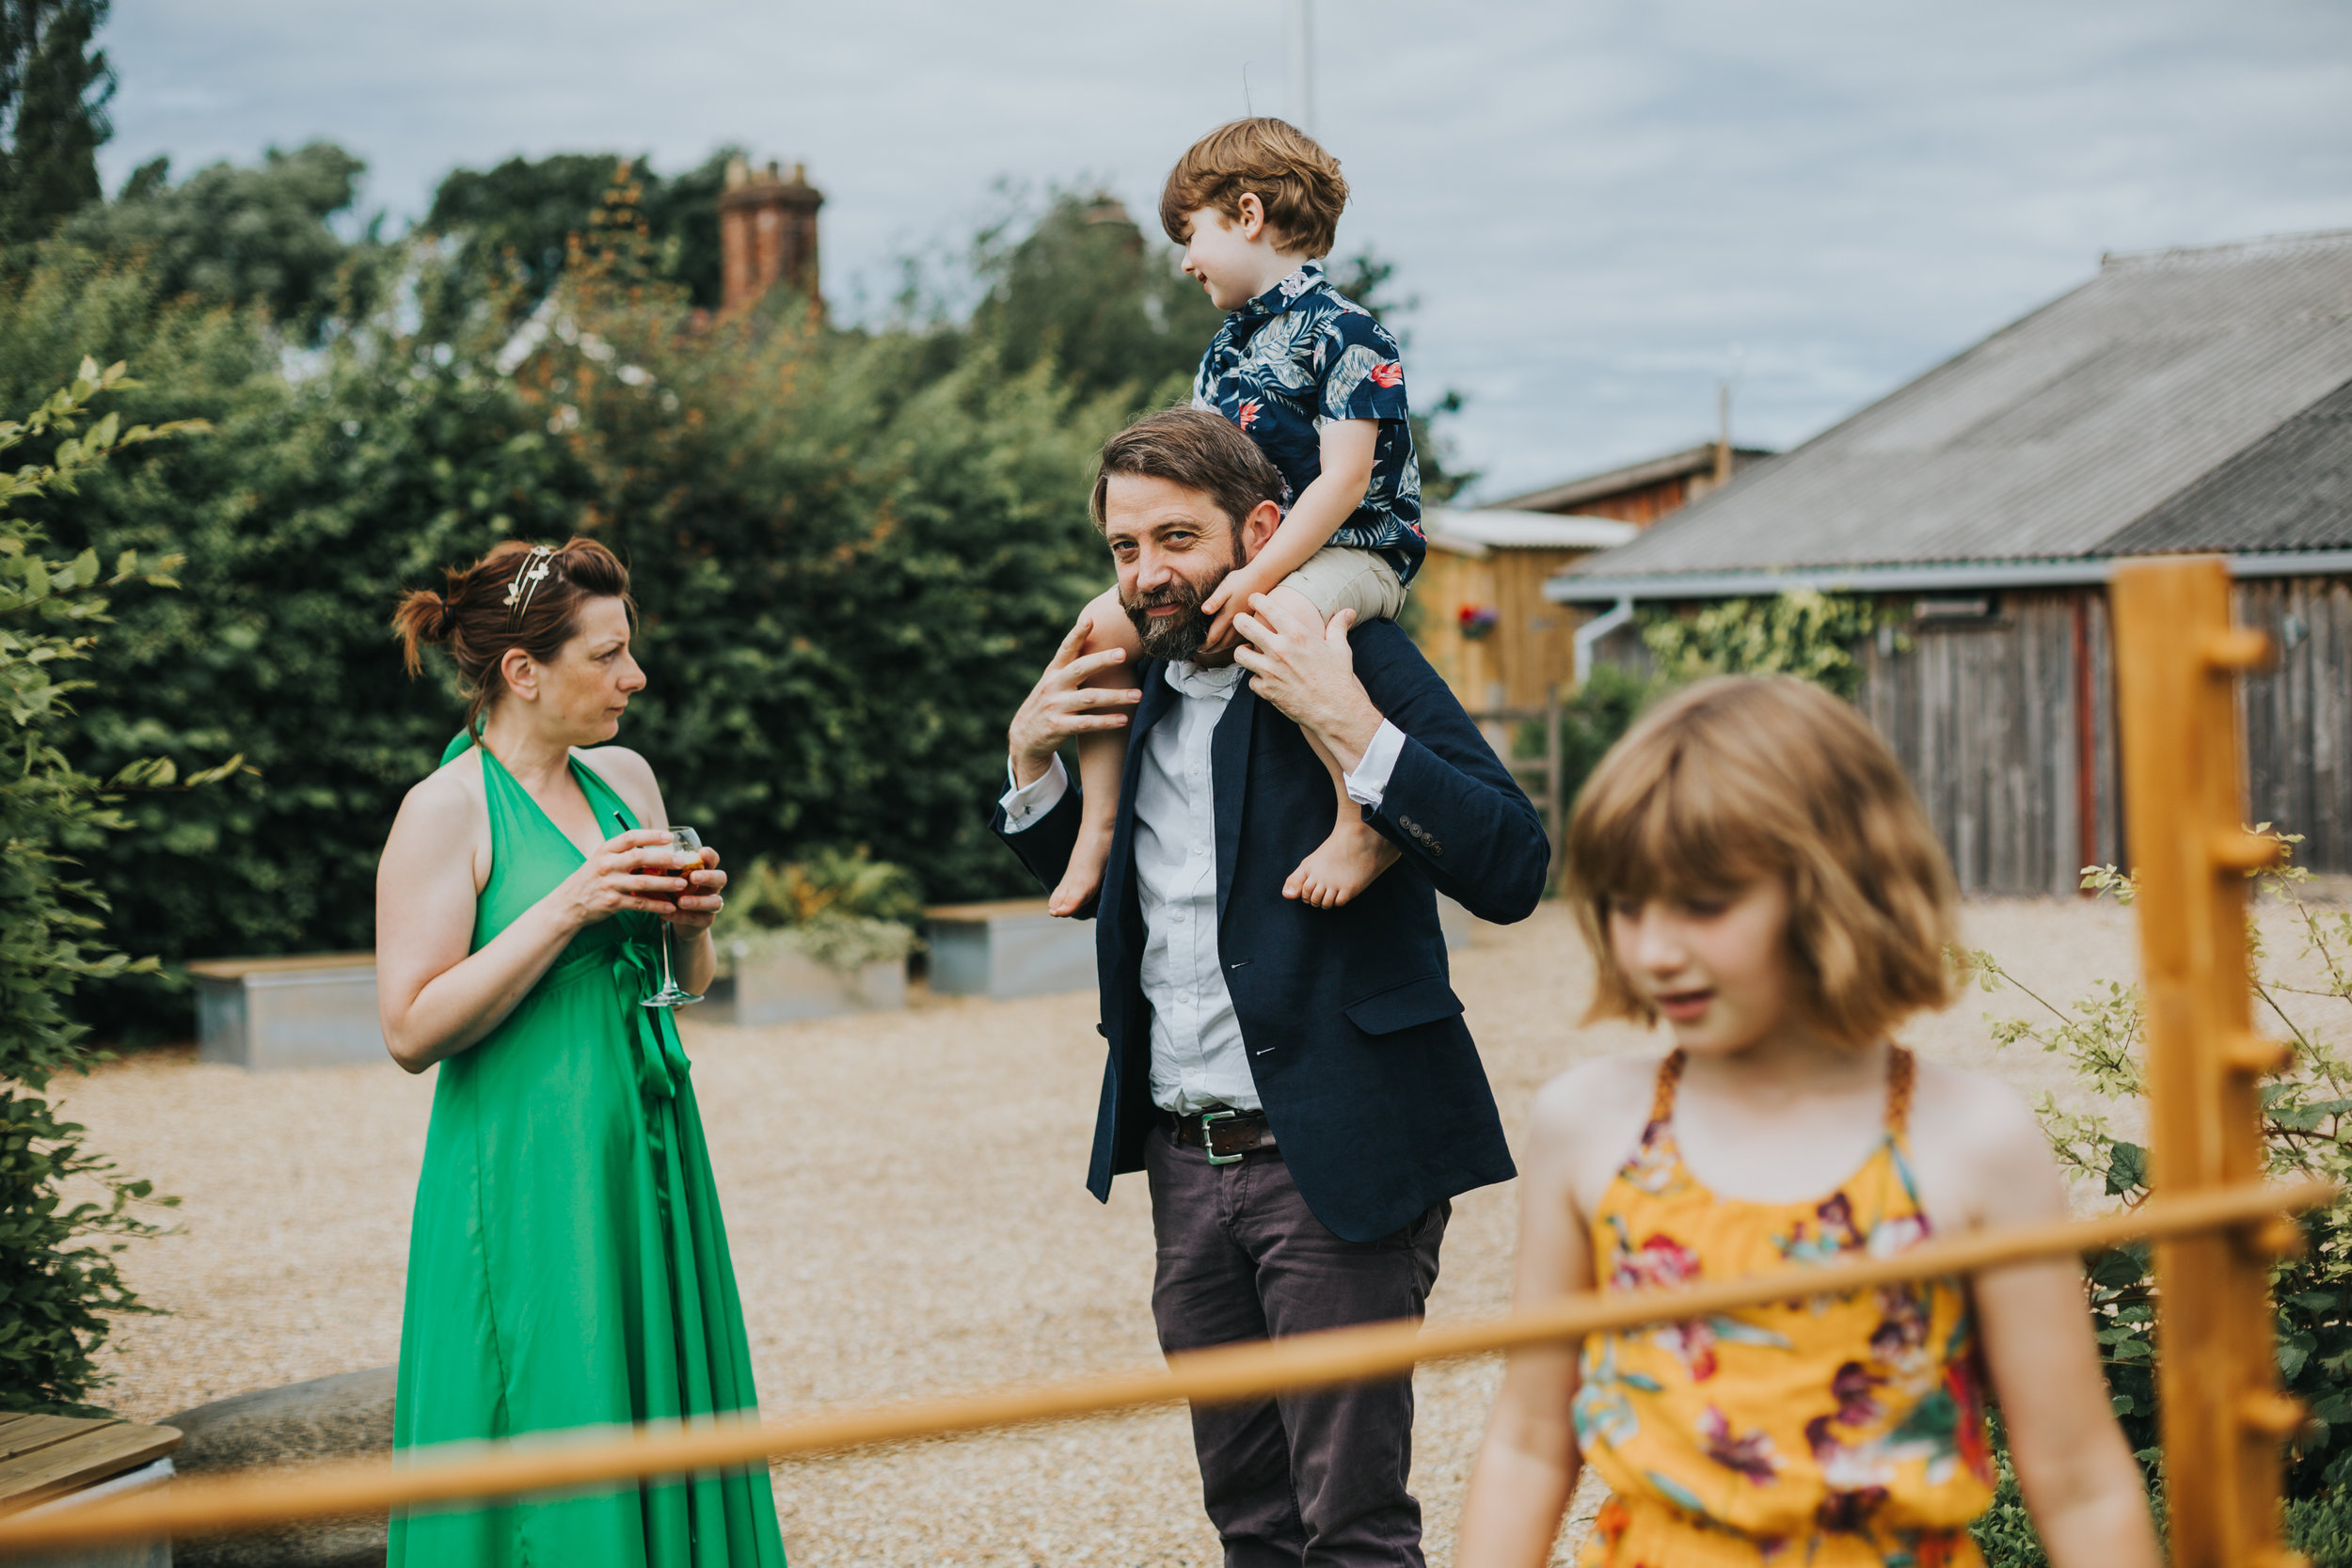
x: 1025, y: 804
x: 1370, y: 780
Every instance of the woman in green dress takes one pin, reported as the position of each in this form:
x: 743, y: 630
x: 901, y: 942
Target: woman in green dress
x: 567, y: 1266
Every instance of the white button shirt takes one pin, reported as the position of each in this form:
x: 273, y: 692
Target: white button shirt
x: 1198, y: 1058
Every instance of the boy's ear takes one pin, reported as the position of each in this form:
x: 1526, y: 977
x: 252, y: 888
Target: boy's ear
x: 1252, y: 219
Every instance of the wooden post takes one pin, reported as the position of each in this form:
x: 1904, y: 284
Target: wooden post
x: 2177, y: 657
x: 1556, y: 793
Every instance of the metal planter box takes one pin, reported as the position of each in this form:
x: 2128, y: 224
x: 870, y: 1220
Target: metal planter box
x: 313, y: 1010
x: 782, y: 986
x: 1008, y: 949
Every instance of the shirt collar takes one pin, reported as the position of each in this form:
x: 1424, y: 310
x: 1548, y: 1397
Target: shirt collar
x: 1283, y: 294
x: 1191, y: 680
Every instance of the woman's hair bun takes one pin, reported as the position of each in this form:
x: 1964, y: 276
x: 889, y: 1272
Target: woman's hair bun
x: 421, y: 618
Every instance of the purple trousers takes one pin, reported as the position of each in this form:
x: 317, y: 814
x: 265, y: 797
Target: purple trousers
x: 1313, y: 1479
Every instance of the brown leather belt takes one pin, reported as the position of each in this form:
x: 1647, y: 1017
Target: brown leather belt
x: 1223, y: 1133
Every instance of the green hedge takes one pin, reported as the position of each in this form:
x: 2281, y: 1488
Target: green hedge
x: 852, y: 552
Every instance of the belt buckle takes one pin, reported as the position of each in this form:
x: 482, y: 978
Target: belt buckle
x: 1208, y: 1137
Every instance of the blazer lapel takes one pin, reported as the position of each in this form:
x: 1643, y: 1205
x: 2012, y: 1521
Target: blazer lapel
x: 1228, y: 771
x: 1159, y: 700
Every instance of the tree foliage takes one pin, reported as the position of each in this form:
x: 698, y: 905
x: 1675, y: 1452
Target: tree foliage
x: 60, y: 1286
x: 1081, y: 286
x: 53, y: 89
x: 516, y: 221
x: 238, y: 236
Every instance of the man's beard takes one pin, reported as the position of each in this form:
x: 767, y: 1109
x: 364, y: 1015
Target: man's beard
x: 1175, y: 638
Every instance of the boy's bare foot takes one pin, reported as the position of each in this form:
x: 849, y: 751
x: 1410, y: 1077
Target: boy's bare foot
x: 1342, y: 866
x: 1084, y: 878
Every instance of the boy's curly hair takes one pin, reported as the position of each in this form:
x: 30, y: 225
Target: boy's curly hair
x: 1285, y: 169
x: 1743, y: 778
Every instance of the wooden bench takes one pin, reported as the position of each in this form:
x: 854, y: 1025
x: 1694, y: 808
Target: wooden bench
x: 314, y: 1010
x: 1009, y: 948
x: 56, y: 1461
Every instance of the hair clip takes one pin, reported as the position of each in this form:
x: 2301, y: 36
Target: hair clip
x: 535, y: 570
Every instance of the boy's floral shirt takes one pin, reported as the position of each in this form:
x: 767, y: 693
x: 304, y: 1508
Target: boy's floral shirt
x: 1299, y: 356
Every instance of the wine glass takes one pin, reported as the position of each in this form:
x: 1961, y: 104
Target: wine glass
x: 688, y: 843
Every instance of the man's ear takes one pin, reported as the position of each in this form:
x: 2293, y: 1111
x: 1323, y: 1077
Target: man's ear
x: 1259, y: 527
x: 520, y: 672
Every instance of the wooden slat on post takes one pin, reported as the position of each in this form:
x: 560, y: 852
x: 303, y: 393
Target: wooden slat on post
x: 2177, y: 657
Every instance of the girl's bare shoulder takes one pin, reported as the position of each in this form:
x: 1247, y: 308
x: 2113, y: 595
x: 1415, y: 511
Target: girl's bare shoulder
x: 1605, y: 1088
x: 1981, y: 1155
x: 1588, y: 1120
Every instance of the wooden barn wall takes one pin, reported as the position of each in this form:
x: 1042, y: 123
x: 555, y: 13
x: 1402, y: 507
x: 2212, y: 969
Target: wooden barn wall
x: 2298, y: 716
x: 1986, y: 716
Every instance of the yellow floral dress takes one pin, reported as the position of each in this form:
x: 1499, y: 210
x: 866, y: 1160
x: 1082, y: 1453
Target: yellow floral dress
x: 1837, y: 1432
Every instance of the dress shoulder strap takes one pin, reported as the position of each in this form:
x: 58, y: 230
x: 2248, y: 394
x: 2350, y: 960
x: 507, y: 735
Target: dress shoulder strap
x: 1661, y: 1104
x: 1900, y: 1072
x: 603, y: 799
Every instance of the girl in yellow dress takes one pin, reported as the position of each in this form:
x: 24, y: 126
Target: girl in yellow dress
x: 1751, y: 869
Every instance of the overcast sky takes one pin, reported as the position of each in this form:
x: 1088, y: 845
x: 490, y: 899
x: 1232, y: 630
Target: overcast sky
x: 1594, y: 200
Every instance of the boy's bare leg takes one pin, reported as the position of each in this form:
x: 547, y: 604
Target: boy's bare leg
x: 1101, y: 760
x: 1348, y: 861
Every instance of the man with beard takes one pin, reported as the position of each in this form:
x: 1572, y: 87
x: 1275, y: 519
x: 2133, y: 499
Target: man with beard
x: 1297, y: 1083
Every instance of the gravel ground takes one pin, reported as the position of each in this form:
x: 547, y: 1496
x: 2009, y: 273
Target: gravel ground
x: 904, y: 1195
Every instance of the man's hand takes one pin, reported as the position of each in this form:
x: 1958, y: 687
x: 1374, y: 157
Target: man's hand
x: 1062, y: 707
x: 1308, y: 671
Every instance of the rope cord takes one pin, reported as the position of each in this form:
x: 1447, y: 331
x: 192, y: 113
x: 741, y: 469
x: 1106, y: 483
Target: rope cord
x: 545, y: 1462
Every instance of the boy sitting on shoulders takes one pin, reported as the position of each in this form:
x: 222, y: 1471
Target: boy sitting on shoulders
x: 1319, y: 385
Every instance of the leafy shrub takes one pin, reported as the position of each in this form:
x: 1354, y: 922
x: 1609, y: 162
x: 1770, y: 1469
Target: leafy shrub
x: 1801, y: 633
x: 60, y: 1285
x: 2305, y: 1131
x: 840, y: 907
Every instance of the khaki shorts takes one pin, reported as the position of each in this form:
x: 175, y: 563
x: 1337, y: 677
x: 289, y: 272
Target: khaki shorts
x: 1336, y: 579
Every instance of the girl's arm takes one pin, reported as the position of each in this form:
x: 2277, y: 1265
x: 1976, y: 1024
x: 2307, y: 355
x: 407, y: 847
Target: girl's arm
x: 1348, y: 446
x: 1527, y: 1467
x: 2081, y: 1483
x: 692, y: 952
x: 434, y: 998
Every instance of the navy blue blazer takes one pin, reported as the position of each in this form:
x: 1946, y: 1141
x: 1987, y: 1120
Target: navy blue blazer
x: 1356, y: 1039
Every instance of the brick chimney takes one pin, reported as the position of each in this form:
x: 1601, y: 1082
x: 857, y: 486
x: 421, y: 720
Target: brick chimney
x: 766, y: 233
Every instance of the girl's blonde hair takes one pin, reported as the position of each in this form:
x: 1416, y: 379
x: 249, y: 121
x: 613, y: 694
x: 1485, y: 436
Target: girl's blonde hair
x: 1743, y: 778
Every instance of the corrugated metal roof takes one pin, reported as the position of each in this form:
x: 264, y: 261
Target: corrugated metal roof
x: 1570, y: 494
x: 2292, y: 490
x: 1489, y: 528
x: 2056, y: 434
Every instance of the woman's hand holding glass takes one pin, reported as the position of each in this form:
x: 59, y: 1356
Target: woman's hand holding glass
x: 643, y: 869
x: 704, y: 896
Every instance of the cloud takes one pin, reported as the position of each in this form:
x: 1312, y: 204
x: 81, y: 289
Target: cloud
x: 1592, y: 203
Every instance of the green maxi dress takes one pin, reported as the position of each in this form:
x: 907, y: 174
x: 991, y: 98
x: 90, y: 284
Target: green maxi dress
x: 567, y: 1266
